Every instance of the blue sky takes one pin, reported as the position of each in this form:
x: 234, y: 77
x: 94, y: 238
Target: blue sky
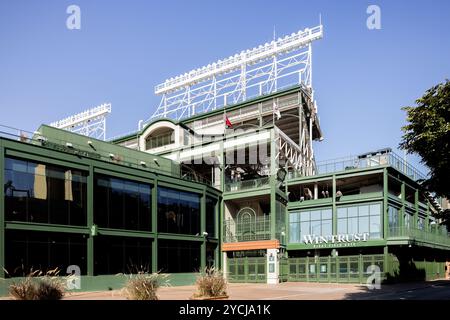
x: 361, y: 77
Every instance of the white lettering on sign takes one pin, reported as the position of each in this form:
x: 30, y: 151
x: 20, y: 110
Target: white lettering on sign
x: 356, y: 237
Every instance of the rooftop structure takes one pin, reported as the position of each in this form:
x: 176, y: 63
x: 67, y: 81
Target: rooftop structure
x: 254, y: 72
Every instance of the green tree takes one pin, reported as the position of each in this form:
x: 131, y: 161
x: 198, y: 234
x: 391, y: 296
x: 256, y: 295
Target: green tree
x: 427, y: 134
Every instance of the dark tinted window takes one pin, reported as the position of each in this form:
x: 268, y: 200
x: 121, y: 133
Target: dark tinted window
x: 178, y: 211
x: 178, y: 256
x: 122, y: 204
x: 32, y: 250
x: 122, y: 255
x: 43, y: 193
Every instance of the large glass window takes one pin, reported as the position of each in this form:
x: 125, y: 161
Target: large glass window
x: 162, y: 137
x: 313, y: 222
x: 128, y: 255
x: 178, y: 211
x: 364, y: 218
x: 211, y: 209
x: 393, y: 213
x: 122, y: 204
x: 178, y: 256
x: 43, y: 193
x: 28, y: 251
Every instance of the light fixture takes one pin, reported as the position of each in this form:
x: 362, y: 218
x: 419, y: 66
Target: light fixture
x: 143, y: 163
x: 69, y: 145
x: 155, y: 160
x: 112, y: 156
x: 89, y: 143
x: 205, y: 234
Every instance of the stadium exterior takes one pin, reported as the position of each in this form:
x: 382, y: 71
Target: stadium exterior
x: 235, y: 185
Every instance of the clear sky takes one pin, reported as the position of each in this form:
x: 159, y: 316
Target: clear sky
x: 361, y: 77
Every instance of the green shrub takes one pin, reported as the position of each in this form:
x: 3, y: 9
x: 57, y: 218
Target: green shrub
x: 211, y: 283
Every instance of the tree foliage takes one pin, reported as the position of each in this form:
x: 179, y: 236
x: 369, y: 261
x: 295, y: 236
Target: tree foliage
x: 427, y: 134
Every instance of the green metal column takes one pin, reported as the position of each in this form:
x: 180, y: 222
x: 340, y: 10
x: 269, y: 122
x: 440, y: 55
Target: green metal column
x: 203, y: 229
x: 155, y: 226
x: 334, y: 212
x: 221, y: 209
x: 401, y: 219
x: 2, y: 213
x: 385, y: 204
x: 416, y: 209
x: 273, y: 183
x: 90, y: 221
x: 386, y: 267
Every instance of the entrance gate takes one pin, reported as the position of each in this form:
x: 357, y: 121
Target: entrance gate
x: 345, y: 269
x: 247, y: 269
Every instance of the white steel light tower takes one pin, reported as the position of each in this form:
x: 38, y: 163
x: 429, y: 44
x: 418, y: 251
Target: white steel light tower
x: 91, y: 123
x: 261, y: 70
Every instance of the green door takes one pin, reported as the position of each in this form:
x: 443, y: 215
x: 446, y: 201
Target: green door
x: 247, y: 269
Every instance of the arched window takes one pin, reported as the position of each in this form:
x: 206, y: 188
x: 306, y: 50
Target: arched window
x: 246, y: 224
x: 160, y: 137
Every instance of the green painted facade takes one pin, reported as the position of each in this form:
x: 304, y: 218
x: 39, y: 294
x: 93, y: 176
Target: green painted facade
x: 54, y: 147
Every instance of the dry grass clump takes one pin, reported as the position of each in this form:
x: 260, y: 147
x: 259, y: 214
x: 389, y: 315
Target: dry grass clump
x: 37, y: 286
x: 211, y: 283
x: 144, y: 286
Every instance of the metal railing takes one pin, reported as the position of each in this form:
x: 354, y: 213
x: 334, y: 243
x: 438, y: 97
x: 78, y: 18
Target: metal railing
x: 246, y: 184
x: 98, y: 153
x: 419, y: 235
x: 249, y: 230
x: 355, y: 162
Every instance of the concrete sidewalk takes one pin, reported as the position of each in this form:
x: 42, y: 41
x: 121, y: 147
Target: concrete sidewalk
x: 282, y: 291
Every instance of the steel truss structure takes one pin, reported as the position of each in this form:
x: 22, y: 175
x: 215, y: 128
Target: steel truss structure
x: 91, y: 123
x: 254, y: 72
x: 291, y: 155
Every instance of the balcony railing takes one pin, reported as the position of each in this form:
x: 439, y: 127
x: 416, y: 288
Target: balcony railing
x: 375, y: 160
x: 419, y: 235
x: 246, y: 184
x: 249, y: 230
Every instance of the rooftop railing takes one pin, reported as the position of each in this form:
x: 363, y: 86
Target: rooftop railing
x: 97, y: 153
x: 367, y: 161
x: 246, y: 184
x: 420, y: 235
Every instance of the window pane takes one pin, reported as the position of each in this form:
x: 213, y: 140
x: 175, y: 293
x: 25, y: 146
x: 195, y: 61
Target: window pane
x: 342, y: 212
x: 315, y: 227
x: 326, y: 214
x: 363, y: 225
x: 179, y: 256
x: 375, y: 209
x: 293, y: 217
x: 375, y: 229
x: 305, y: 229
x: 304, y: 216
x: 352, y: 225
x: 327, y: 228
x: 294, y: 232
x: 315, y: 215
x: 44, y: 193
x: 352, y: 211
x: 363, y: 210
x: 342, y: 226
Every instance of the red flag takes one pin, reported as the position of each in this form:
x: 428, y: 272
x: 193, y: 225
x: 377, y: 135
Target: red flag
x: 228, y: 122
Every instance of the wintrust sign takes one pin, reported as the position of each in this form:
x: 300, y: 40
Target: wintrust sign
x: 339, y: 240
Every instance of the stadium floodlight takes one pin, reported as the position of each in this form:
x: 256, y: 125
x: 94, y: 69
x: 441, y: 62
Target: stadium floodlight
x: 91, y: 123
x: 261, y: 70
